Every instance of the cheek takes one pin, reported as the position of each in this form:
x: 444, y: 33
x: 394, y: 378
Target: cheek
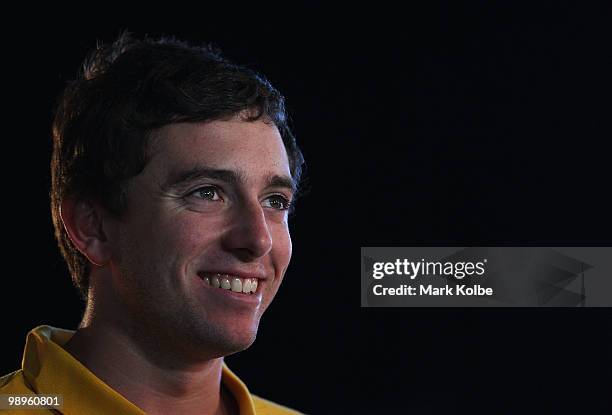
x: 282, y: 248
x: 191, y: 236
x: 173, y: 239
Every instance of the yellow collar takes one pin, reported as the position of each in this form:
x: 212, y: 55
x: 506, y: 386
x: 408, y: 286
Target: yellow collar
x: 49, y: 369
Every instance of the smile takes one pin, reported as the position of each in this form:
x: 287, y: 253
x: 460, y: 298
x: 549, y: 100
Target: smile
x: 230, y: 282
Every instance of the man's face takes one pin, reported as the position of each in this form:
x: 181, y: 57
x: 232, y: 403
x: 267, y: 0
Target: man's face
x: 211, y: 205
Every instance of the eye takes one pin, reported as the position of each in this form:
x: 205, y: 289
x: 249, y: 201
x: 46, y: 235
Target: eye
x: 278, y: 202
x: 207, y: 193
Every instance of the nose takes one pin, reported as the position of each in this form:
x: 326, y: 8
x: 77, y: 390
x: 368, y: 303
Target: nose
x: 249, y: 236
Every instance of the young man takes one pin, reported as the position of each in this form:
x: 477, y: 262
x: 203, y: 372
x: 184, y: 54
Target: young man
x: 173, y: 174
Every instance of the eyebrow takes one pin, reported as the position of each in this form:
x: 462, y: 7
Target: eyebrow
x: 182, y: 177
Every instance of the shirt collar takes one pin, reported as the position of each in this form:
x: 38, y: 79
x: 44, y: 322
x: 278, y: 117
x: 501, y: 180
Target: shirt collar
x: 49, y: 369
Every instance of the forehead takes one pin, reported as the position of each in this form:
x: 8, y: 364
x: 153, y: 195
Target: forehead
x: 250, y: 147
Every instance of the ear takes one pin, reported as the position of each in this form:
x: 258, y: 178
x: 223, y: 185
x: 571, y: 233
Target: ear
x: 84, y: 223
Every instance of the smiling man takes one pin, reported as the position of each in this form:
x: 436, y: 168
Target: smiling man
x: 173, y: 175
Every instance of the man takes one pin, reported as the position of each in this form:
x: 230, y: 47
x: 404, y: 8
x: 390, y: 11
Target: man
x: 173, y: 175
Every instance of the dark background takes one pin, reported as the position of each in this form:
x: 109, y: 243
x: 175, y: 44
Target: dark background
x: 451, y: 125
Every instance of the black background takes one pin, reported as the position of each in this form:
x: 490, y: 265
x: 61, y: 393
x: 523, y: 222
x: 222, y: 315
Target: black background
x: 451, y: 125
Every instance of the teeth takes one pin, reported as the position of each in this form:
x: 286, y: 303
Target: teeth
x: 246, y: 287
x: 231, y: 283
x: 237, y: 285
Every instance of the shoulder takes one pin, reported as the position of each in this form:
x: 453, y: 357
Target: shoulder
x: 266, y: 407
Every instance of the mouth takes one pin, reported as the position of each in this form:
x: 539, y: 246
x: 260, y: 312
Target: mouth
x: 228, y: 282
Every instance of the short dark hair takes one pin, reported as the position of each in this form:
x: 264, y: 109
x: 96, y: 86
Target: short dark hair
x: 126, y: 90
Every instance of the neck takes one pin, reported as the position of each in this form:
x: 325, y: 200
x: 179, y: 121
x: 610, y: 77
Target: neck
x: 154, y: 384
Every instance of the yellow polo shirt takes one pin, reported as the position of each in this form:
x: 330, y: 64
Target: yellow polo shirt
x: 47, y: 369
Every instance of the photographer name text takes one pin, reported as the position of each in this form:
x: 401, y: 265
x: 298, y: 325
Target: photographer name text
x: 457, y: 290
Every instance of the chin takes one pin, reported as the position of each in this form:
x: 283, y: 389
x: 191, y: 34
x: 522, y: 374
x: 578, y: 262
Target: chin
x: 238, y: 346
x: 242, y: 340
x: 221, y: 341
